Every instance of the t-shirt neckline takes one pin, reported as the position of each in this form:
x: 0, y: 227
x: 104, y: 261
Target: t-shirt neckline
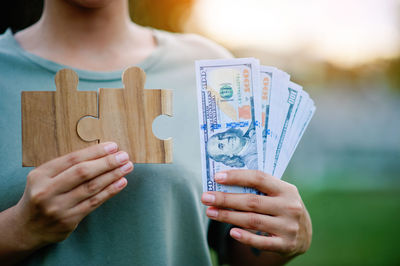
x: 52, y: 66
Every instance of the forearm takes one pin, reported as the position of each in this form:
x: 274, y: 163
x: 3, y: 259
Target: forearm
x: 14, y: 245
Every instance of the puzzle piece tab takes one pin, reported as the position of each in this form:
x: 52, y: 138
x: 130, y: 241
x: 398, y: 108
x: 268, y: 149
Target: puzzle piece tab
x: 126, y: 117
x: 49, y: 119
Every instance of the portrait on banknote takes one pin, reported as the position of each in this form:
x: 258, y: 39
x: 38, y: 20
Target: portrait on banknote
x: 234, y: 148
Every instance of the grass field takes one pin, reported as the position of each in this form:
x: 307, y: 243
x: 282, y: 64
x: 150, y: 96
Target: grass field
x: 353, y: 228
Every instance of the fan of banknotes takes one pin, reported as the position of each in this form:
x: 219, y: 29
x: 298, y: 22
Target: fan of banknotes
x: 251, y: 117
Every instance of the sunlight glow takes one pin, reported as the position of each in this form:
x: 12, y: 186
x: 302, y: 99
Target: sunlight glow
x: 347, y: 32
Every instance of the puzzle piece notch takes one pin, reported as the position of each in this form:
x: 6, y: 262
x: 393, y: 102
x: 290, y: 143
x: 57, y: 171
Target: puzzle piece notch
x: 126, y: 117
x: 49, y: 119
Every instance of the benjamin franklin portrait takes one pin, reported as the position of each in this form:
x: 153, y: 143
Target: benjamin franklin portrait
x: 234, y: 148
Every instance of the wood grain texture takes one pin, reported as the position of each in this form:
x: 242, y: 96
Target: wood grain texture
x: 126, y: 117
x: 49, y: 119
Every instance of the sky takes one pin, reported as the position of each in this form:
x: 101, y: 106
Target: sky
x: 345, y: 32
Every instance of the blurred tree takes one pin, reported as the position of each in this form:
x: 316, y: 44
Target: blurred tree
x: 393, y: 70
x: 166, y: 14
x: 393, y: 73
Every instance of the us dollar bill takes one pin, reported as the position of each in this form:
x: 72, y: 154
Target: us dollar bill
x: 302, y: 119
x: 300, y: 109
x: 230, y: 119
x: 251, y: 117
x: 290, y: 102
x: 266, y: 80
x: 280, y: 83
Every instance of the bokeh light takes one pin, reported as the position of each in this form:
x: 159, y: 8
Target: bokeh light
x: 346, y: 32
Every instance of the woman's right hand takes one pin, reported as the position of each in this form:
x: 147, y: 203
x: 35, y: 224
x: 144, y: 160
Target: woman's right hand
x: 61, y: 192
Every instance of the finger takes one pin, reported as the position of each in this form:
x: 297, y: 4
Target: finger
x: 251, y: 178
x: 90, y: 204
x: 242, y: 202
x: 94, y: 186
x: 60, y: 164
x: 248, y: 220
x: 269, y: 243
x: 85, y: 171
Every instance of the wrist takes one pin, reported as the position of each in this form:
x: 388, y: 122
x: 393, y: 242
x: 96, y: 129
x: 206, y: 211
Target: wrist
x: 25, y: 239
x: 14, y: 244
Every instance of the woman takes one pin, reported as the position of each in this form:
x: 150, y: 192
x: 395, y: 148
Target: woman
x: 65, y: 216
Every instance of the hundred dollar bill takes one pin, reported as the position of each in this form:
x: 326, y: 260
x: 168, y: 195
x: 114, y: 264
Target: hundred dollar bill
x: 304, y: 124
x: 266, y: 79
x: 298, y: 133
x: 290, y: 99
x: 280, y: 83
x: 292, y: 137
x: 229, y: 117
x: 303, y: 105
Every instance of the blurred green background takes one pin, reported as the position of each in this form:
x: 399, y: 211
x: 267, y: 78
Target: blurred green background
x: 346, y: 54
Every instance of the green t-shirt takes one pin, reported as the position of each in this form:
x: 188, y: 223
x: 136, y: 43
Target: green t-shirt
x: 158, y: 218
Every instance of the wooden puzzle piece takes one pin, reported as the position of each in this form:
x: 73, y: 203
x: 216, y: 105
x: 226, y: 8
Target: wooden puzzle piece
x: 126, y: 117
x: 49, y: 119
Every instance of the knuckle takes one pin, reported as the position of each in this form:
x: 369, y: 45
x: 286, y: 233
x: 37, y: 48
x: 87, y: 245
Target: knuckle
x: 293, y: 189
x: 52, y: 212
x: 248, y: 239
x: 293, y: 229
x: 91, y: 187
x: 291, y: 246
x: 258, y: 179
x: 117, y: 173
x: 34, y: 174
x: 94, y: 202
x: 253, y: 202
x: 72, y: 158
x: 37, y: 197
x: 254, y: 221
x: 111, y: 191
x: 223, y: 215
x: 222, y: 201
x: 82, y: 170
x: 110, y: 162
x: 296, y: 209
x: 114, y: 175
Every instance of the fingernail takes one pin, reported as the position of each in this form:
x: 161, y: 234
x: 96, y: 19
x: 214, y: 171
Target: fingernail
x: 212, y: 213
x: 209, y: 198
x: 235, y: 234
x: 110, y: 148
x: 122, y: 157
x: 126, y: 167
x: 121, y: 183
x: 220, y: 177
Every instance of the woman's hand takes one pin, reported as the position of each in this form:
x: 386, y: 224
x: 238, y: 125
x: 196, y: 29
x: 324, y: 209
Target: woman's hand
x: 280, y: 213
x: 61, y: 192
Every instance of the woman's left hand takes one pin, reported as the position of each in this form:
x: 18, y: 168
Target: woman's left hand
x: 280, y: 213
